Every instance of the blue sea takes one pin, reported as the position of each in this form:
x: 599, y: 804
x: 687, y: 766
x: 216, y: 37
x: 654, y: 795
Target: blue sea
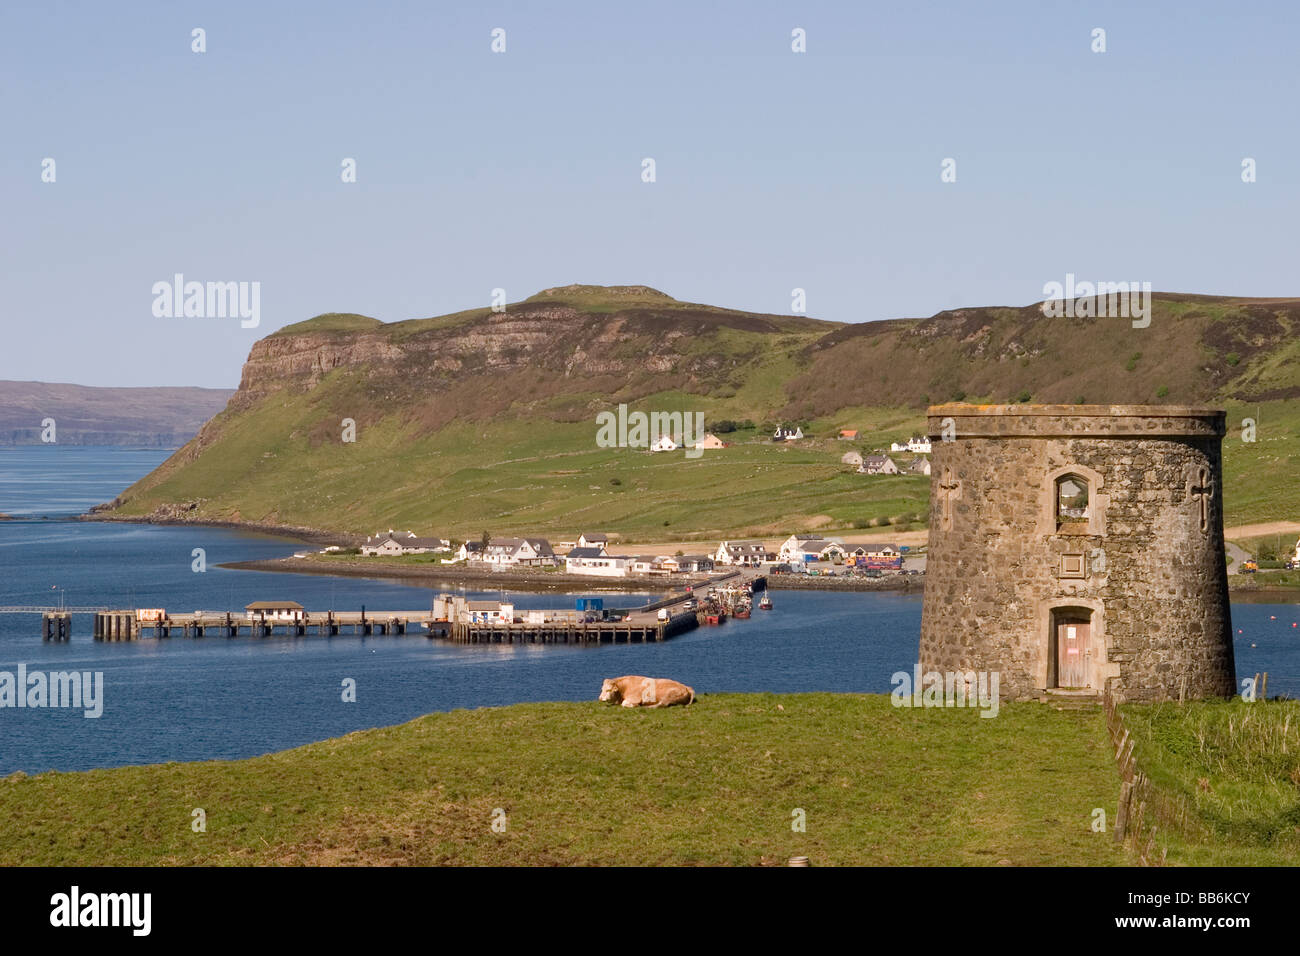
x: 223, y: 698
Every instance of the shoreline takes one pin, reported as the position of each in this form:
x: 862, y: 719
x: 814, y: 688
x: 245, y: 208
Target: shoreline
x: 559, y: 581
x: 307, y: 535
x: 556, y: 581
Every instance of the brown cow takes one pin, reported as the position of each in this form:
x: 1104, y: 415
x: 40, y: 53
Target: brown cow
x: 633, y: 691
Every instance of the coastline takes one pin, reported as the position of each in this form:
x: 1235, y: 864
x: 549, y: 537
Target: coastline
x: 307, y: 535
x: 541, y: 581
x: 558, y: 581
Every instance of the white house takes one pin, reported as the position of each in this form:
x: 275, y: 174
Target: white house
x: 920, y: 466
x: 710, y: 440
x: 877, y: 465
x: 274, y: 611
x: 596, y: 562
x: 664, y: 443
x: 787, y: 434
x: 488, y: 612
x: 744, y: 553
x: 917, y: 445
x: 470, y: 551
x: 593, y: 541
x: 519, y: 552
x: 402, y: 543
x: 803, y: 547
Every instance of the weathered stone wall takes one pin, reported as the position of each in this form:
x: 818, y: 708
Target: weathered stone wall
x: 1154, y: 579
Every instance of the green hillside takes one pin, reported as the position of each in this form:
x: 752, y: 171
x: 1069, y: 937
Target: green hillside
x: 486, y: 420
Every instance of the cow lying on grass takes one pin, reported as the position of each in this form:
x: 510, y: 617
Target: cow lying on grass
x: 635, y: 691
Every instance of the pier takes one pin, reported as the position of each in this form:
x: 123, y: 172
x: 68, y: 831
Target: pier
x: 601, y: 632
x: 641, y: 625
x: 451, y: 617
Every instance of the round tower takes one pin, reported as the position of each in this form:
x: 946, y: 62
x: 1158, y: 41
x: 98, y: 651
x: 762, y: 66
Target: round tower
x: 1072, y: 546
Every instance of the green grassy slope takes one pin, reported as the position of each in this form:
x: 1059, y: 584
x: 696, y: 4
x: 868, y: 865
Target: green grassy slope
x: 714, y: 783
x: 1238, y: 764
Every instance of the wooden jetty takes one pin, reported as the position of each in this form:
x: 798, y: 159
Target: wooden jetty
x: 116, y: 624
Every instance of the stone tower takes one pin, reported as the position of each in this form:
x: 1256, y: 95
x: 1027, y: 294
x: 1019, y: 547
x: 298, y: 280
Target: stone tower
x: 1076, y: 545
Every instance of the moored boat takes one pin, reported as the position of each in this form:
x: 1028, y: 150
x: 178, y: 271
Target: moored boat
x: 766, y: 603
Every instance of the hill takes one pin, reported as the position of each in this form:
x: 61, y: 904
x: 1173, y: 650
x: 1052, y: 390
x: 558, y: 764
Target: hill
x: 486, y: 420
x: 85, y: 415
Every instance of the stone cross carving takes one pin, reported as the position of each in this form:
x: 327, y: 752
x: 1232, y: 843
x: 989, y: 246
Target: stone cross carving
x: 1202, y: 489
x: 949, y: 491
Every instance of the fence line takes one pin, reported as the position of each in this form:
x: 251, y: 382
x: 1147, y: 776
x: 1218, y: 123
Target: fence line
x: 1144, y: 809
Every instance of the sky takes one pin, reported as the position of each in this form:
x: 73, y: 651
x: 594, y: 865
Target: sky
x: 523, y: 169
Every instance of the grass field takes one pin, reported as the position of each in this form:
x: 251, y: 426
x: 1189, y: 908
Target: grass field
x: 715, y: 783
x: 1239, y: 765
x: 531, y: 477
x: 546, y: 477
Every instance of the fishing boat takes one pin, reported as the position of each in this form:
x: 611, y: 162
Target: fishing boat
x: 741, y: 610
x: 766, y: 603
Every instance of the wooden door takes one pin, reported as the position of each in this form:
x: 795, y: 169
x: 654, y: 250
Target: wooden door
x: 1072, y: 651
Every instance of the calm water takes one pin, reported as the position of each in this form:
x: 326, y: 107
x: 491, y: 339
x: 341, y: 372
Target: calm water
x: 188, y: 699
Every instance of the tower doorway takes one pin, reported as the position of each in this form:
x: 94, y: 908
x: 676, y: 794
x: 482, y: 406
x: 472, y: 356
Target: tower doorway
x: 1070, y: 643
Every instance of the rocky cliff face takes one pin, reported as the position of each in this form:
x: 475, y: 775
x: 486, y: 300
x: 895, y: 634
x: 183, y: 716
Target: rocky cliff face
x: 539, y: 350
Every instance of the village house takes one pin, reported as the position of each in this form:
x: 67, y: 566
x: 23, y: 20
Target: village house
x: 742, y: 553
x: 853, y: 458
x: 921, y: 466
x: 519, y: 552
x: 877, y: 555
x: 787, y: 434
x: 710, y: 440
x: 593, y: 541
x: 848, y: 434
x: 275, y: 611
x: 877, y: 465
x: 596, y: 562
x: 880, y: 552
x: 488, y: 612
x: 402, y: 543
x: 694, y: 563
x: 917, y: 445
x: 470, y: 551
x: 802, y: 547
x: 646, y: 564
x: 664, y: 443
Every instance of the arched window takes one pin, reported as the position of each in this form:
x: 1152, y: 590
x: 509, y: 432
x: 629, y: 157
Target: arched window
x: 1072, y: 505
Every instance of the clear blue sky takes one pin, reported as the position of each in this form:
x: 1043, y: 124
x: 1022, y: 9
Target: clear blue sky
x: 522, y: 170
